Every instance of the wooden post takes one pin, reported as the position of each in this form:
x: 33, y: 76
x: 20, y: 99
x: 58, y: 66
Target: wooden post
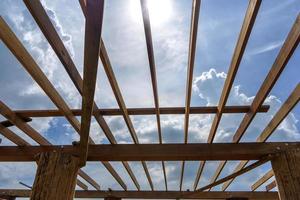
x: 286, y: 168
x: 55, y: 177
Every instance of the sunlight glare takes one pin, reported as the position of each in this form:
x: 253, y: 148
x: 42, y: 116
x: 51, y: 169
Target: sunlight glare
x: 159, y: 11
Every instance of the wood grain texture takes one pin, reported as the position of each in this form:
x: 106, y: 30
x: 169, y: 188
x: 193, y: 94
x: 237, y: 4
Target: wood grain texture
x: 286, y: 167
x: 93, y: 29
x: 156, y: 194
x: 55, y: 177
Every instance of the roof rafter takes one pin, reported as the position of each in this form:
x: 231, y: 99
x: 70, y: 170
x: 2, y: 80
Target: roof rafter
x: 117, y: 92
x: 190, y: 72
x: 239, y: 50
x: 43, y: 21
x: 32, y: 133
x: 16, y: 47
x: 148, y: 36
x: 280, y: 63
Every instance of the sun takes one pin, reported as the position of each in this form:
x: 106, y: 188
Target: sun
x: 159, y: 11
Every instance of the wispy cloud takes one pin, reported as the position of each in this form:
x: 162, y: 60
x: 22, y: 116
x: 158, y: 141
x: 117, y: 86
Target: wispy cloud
x: 266, y: 48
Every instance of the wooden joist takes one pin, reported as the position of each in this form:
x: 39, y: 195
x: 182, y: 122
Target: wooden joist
x: 278, y: 66
x: 117, y: 92
x: 93, y: 30
x: 148, y: 36
x: 7, y: 123
x: 271, y: 185
x: 31, y: 132
x: 236, y: 174
x: 155, y: 152
x: 281, y: 61
x: 262, y: 180
x: 140, y: 111
x: 155, y: 194
x: 190, y: 73
x: 16, y: 47
x: 240, y: 47
x: 283, y: 111
x: 38, y: 12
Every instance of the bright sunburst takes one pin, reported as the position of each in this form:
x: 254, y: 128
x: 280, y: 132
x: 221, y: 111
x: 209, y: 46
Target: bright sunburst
x: 159, y: 11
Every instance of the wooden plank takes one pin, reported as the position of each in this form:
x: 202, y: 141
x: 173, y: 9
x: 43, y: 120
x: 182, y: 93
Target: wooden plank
x: 148, y: 36
x: 116, y: 90
x: 240, y: 166
x: 155, y: 194
x: 282, y: 59
x: 7, y: 123
x: 29, y: 64
x: 16, y: 47
x: 284, y: 110
x: 18, y: 121
x: 93, y: 29
x: 140, y: 111
x: 262, y: 180
x: 10, y: 135
x: 238, y: 173
x: 190, y: 70
x: 287, y: 173
x: 27, y: 129
x: 239, y: 50
x: 271, y: 185
x: 154, y: 152
x: 44, y: 22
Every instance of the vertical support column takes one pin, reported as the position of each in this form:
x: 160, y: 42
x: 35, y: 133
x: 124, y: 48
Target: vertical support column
x: 286, y: 168
x: 55, y: 177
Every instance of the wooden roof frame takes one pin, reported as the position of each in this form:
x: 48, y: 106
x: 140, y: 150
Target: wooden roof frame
x: 88, y: 151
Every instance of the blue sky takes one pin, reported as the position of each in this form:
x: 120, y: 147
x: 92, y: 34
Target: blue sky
x: 219, y: 25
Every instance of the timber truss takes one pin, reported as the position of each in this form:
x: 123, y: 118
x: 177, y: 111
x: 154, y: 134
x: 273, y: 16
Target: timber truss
x: 285, y: 157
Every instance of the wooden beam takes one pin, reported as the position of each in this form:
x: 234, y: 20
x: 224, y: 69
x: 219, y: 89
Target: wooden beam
x: 33, y: 69
x: 18, y: 121
x: 7, y: 123
x: 282, y: 59
x: 284, y: 110
x: 148, y: 36
x: 16, y: 47
x: 271, y: 186
x: 286, y: 166
x: 140, y: 111
x: 117, y: 92
x: 38, y: 12
x: 10, y: 135
x: 93, y: 29
x: 239, y: 50
x: 190, y: 71
x: 156, y: 194
x: 27, y: 129
x: 240, y: 166
x: 262, y: 180
x: 154, y: 152
x: 238, y: 173
x: 55, y: 177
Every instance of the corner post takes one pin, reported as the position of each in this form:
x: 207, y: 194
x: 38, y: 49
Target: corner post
x: 55, y: 177
x: 286, y: 166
